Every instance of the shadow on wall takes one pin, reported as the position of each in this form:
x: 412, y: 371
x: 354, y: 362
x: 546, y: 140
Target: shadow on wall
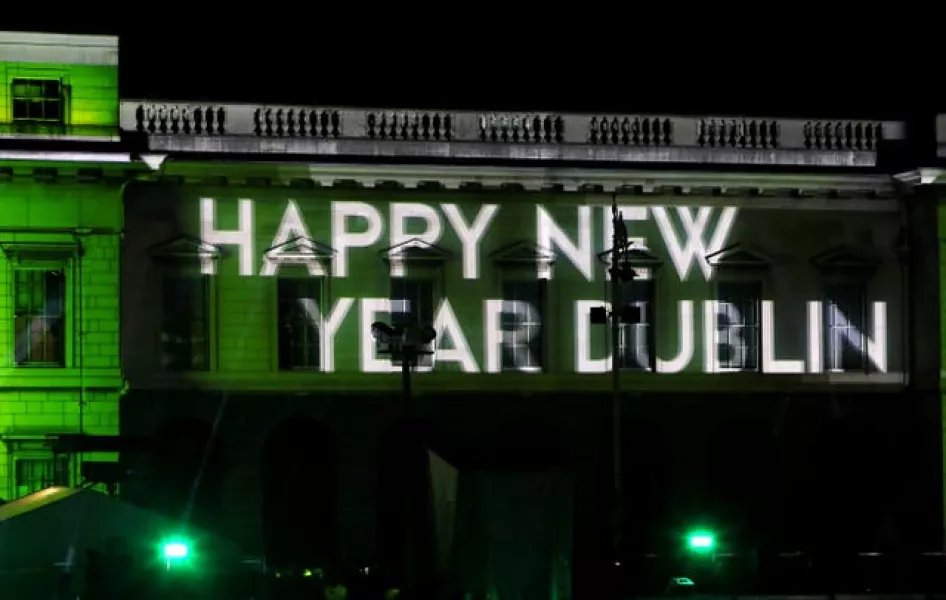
x: 187, y: 471
x: 300, y: 494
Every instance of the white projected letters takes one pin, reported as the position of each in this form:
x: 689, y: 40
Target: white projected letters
x: 479, y: 330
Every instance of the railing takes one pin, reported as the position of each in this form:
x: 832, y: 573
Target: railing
x: 504, y: 128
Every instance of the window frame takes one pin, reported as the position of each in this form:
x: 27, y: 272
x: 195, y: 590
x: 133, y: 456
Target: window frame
x: 828, y: 335
x: 758, y: 286
x: 210, y: 330
x: 424, y: 361
x: 324, y: 297
x: 65, y: 268
x: 39, y: 456
x: 510, y: 277
x: 60, y: 99
x: 626, y: 354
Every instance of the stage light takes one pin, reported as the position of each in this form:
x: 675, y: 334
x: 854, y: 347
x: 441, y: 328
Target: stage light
x: 701, y: 541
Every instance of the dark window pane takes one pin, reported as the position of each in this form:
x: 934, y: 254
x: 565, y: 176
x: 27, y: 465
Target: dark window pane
x: 37, y: 100
x: 412, y: 303
x: 521, y: 322
x: 35, y: 474
x: 184, y: 323
x: 738, y: 327
x: 844, y: 325
x: 299, y: 313
x: 39, y: 317
x: 636, y: 338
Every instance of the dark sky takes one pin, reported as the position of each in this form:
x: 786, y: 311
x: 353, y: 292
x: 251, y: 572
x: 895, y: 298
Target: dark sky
x: 279, y: 56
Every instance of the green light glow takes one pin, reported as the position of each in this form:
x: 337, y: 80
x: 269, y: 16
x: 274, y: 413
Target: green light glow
x: 176, y: 550
x: 701, y: 541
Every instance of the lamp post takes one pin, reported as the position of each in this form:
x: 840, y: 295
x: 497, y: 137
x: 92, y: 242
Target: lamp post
x: 406, y: 343
x: 620, y: 271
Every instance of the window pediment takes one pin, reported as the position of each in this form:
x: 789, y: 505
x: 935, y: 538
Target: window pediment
x: 26, y: 253
x: 525, y: 255
x: 523, y: 252
x: 846, y: 261
x: 300, y: 249
x: 416, y: 250
x: 739, y: 257
x: 184, y: 248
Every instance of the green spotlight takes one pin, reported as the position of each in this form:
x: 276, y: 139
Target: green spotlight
x: 175, y: 552
x: 701, y: 541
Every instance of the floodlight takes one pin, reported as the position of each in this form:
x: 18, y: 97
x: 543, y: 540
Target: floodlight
x: 427, y: 334
x: 382, y: 332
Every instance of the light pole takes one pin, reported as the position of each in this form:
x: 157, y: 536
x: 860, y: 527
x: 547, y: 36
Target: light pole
x: 620, y: 271
x: 406, y: 343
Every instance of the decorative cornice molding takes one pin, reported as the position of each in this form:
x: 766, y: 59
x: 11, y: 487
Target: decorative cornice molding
x: 758, y: 190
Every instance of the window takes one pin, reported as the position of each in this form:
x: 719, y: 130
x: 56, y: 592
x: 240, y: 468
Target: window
x: 184, y: 323
x: 412, y: 303
x: 738, y: 330
x: 35, y: 474
x: 39, y: 317
x: 845, y: 320
x: 636, y: 334
x: 523, y: 343
x: 299, y: 302
x: 37, y: 100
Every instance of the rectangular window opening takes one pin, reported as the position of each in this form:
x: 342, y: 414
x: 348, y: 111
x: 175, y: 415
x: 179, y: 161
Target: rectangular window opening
x: 39, y: 317
x: 412, y: 304
x: 37, y: 100
x: 738, y: 325
x: 299, y: 314
x: 636, y: 332
x: 845, y: 324
x: 185, y: 331
x: 521, y: 324
x: 36, y: 474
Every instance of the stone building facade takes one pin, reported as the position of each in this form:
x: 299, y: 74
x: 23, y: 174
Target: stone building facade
x: 770, y: 375
x: 220, y: 267
x: 62, y: 166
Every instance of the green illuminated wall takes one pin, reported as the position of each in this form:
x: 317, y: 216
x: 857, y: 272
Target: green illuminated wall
x: 91, y: 91
x: 83, y: 395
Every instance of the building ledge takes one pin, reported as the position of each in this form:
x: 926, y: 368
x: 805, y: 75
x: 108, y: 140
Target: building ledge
x: 843, y: 191
x: 39, y: 378
x: 438, y: 383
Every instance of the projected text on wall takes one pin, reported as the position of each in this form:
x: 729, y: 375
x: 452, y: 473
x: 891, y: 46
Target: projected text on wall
x: 715, y: 335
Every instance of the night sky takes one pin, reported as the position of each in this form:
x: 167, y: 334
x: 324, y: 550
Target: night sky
x: 388, y: 59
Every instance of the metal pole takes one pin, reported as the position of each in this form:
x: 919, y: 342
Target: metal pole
x: 407, y: 360
x: 617, y: 256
